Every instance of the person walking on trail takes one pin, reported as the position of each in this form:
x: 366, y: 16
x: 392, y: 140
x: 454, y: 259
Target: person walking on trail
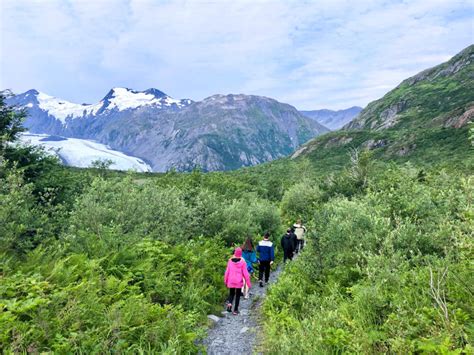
x: 293, y: 236
x: 250, y: 257
x: 288, y: 244
x: 266, y: 253
x: 234, y: 277
x: 300, y: 231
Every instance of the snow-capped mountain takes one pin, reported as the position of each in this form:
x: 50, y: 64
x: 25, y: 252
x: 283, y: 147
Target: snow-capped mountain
x: 117, y: 100
x: 221, y: 132
x: 82, y: 152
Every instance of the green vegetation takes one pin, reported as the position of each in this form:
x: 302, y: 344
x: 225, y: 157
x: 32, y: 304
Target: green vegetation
x: 129, y: 265
x: 97, y: 261
x: 388, y: 268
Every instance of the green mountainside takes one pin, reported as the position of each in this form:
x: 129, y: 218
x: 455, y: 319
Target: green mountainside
x: 439, y: 96
x: 424, y: 119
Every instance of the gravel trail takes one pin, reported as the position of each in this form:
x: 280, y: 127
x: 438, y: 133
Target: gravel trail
x: 237, y: 334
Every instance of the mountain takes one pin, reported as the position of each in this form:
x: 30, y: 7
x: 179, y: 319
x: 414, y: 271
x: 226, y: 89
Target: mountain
x: 48, y: 114
x: 221, y: 132
x: 333, y: 119
x: 82, y: 153
x: 442, y: 95
x: 424, y: 119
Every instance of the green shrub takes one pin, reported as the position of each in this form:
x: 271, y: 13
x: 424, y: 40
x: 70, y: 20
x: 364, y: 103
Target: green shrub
x: 388, y: 271
x: 300, y: 201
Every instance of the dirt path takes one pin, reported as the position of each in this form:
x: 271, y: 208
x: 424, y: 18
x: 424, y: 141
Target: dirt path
x: 237, y: 334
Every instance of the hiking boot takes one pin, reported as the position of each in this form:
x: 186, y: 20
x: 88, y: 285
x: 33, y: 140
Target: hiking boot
x: 229, y: 307
x: 235, y: 313
x: 261, y: 283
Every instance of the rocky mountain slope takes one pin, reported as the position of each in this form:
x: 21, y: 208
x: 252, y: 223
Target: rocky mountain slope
x: 423, y: 119
x: 441, y: 95
x: 221, y: 132
x: 333, y: 119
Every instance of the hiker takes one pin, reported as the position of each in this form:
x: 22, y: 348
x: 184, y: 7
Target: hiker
x: 266, y: 253
x: 250, y: 258
x: 300, y: 231
x: 288, y: 243
x: 234, y: 277
x: 293, y: 237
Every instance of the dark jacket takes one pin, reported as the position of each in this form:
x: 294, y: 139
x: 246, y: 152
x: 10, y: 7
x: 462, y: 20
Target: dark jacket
x: 295, y: 239
x: 288, y: 242
x: 265, y: 250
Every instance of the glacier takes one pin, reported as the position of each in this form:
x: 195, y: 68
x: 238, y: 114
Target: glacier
x: 82, y: 152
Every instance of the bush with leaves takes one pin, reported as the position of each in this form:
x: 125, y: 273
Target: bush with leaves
x: 387, y: 271
x: 300, y: 201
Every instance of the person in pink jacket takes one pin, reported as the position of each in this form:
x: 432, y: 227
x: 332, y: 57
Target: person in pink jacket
x: 234, y: 277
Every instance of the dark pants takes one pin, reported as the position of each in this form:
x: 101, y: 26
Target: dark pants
x: 300, y: 245
x: 235, y: 292
x: 287, y: 254
x: 264, y: 267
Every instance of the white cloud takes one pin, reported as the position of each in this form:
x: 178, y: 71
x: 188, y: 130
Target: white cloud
x: 331, y: 54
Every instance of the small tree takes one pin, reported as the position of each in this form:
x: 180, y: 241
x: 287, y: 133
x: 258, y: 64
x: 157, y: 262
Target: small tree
x: 361, y: 163
x: 11, y: 121
x: 102, y: 164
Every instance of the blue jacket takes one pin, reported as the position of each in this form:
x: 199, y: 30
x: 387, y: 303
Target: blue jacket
x: 250, y: 257
x: 266, y: 250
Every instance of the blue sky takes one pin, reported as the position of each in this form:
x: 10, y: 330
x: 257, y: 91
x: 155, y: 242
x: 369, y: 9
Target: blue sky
x: 311, y: 54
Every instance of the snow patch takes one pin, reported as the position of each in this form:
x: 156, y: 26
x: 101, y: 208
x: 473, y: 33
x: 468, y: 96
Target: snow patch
x: 121, y: 99
x: 124, y: 99
x: 62, y: 109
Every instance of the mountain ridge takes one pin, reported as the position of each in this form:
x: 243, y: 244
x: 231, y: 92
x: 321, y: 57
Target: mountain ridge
x: 426, y: 96
x: 423, y: 119
x: 333, y: 119
x: 221, y: 132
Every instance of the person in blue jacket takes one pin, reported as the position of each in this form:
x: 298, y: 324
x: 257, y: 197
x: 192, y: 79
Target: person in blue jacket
x: 266, y: 253
x: 250, y: 258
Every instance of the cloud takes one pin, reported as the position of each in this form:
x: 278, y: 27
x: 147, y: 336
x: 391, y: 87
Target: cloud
x: 324, y: 54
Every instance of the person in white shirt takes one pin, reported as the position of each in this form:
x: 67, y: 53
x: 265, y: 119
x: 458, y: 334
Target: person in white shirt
x: 300, y: 231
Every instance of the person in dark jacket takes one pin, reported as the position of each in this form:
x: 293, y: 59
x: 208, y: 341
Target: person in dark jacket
x: 288, y: 243
x: 266, y: 253
x: 295, y: 238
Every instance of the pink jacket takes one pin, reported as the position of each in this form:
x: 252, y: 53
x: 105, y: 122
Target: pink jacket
x: 235, y: 273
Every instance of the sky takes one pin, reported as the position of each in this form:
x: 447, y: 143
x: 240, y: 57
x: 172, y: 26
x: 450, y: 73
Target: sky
x: 311, y: 54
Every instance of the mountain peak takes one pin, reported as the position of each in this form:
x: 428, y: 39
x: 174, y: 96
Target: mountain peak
x: 150, y: 93
x: 124, y: 98
x: 155, y: 92
x: 31, y: 92
x: 117, y: 99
